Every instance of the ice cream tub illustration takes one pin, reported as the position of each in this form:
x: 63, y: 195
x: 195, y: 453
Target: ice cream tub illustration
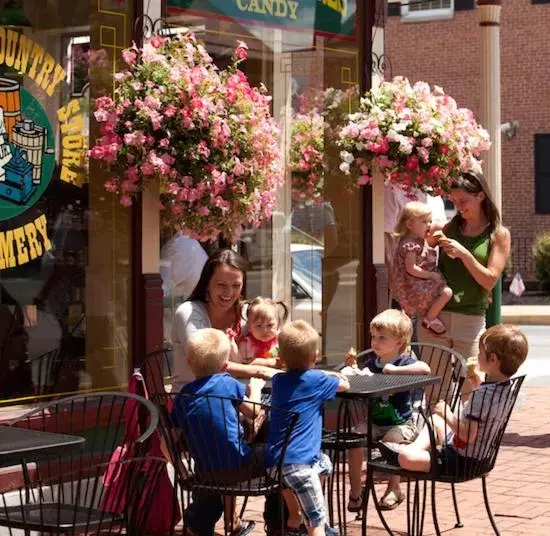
x: 17, y: 185
x: 10, y: 101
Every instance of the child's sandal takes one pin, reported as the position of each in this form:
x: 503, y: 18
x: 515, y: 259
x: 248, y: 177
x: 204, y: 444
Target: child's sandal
x: 435, y: 326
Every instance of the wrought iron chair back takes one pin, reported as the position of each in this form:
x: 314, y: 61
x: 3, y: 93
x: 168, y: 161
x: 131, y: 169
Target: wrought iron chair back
x: 157, y: 370
x: 63, y: 491
x: 490, y: 408
x: 443, y: 362
x: 214, y: 449
x: 45, y: 369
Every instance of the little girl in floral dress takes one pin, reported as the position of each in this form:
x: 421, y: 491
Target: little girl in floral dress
x: 260, y: 346
x: 418, y: 285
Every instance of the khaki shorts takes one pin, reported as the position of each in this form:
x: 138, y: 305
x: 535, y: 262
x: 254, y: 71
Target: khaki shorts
x: 462, y: 335
x: 399, y: 433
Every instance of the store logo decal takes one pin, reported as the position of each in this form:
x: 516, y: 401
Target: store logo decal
x: 27, y: 145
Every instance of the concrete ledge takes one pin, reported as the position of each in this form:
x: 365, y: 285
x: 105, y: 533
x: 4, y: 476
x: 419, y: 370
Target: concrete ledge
x: 526, y: 314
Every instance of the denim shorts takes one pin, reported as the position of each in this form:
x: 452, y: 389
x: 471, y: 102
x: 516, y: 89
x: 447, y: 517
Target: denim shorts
x: 305, y: 482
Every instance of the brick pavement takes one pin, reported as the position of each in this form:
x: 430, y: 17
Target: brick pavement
x: 518, y: 486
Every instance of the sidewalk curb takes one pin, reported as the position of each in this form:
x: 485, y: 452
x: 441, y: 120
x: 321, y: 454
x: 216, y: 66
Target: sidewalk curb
x: 526, y: 314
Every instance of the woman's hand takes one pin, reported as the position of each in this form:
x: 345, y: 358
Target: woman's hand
x: 453, y: 248
x: 265, y: 373
x: 234, y: 355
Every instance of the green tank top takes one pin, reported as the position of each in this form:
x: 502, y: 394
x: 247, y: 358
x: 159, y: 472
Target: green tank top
x: 469, y: 297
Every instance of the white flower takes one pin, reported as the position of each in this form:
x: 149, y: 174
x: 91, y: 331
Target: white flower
x: 344, y: 167
x: 359, y: 146
x: 401, y: 126
x: 346, y: 157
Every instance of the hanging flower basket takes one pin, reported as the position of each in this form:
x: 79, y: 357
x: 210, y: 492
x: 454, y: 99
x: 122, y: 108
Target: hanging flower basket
x: 205, y: 133
x: 414, y: 136
x: 306, y: 157
x: 315, y: 131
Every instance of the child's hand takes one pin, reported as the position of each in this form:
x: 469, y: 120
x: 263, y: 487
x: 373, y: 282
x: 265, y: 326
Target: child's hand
x: 390, y: 369
x: 440, y: 409
x: 255, y: 385
x: 474, y: 376
x: 351, y: 357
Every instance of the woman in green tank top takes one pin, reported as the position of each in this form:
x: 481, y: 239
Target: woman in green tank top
x: 474, y: 252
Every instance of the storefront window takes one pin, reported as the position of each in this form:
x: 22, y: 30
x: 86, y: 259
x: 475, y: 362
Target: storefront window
x: 307, y: 55
x: 64, y: 243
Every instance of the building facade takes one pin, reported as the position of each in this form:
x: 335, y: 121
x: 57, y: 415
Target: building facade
x: 81, y: 277
x: 446, y: 52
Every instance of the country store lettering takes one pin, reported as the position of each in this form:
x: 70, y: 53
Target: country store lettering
x: 28, y: 155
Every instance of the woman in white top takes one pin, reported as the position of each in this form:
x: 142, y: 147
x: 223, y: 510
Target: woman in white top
x: 215, y: 303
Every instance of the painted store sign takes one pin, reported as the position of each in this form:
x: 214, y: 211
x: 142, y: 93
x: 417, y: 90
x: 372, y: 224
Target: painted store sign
x: 27, y: 145
x: 325, y: 17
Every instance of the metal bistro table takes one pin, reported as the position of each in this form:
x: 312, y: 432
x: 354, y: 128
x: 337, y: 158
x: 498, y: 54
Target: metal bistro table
x: 354, y: 403
x: 18, y: 445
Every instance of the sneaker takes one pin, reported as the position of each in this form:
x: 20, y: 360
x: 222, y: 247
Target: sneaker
x: 331, y: 531
x: 390, y: 452
x: 355, y: 504
x: 246, y: 528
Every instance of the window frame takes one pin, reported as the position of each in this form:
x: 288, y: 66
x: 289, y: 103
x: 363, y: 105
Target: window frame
x: 539, y: 171
x: 424, y: 15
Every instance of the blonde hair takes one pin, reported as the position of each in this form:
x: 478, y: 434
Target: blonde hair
x: 267, y: 308
x: 208, y: 351
x: 297, y: 345
x: 412, y: 210
x: 508, y: 343
x: 395, y: 324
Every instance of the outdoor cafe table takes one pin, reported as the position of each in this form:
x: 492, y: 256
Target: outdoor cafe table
x: 18, y: 445
x: 365, y: 389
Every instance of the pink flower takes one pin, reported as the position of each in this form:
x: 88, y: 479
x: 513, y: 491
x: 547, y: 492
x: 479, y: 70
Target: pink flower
x: 157, y: 41
x: 242, y: 51
x: 412, y: 163
x: 129, y: 56
x: 97, y: 152
x: 111, y: 185
x: 170, y: 111
x: 125, y: 200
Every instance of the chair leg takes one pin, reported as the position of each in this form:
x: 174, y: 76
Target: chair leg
x: 243, y: 507
x: 488, y: 507
x: 434, y: 511
x: 282, y: 514
x: 459, y: 523
x: 376, y: 505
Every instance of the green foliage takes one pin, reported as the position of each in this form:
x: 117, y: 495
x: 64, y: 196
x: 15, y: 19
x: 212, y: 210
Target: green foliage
x: 541, y: 258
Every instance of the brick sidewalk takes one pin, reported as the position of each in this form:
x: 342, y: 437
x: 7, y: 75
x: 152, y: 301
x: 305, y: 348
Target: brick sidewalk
x: 518, y: 486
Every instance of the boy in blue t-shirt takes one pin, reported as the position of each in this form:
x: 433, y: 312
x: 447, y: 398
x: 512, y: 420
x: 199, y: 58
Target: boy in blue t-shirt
x: 211, y: 427
x: 304, y: 391
x: 391, y: 333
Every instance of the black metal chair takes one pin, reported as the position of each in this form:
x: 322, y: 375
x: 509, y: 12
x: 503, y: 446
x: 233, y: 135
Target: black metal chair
x: 46, y: 368
x: 63, y: 492
x: 217, y: 470
x: 156, y: 369
x: 494, y: 404
x: 66, y: 499
x: 443, y: 361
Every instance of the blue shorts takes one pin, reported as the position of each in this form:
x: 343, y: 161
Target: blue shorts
x: 305, y: 482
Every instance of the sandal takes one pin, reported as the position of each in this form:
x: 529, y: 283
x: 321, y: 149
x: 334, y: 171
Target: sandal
x: 246, y: 528
x: 435, y: 326
x: 391, y: 500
